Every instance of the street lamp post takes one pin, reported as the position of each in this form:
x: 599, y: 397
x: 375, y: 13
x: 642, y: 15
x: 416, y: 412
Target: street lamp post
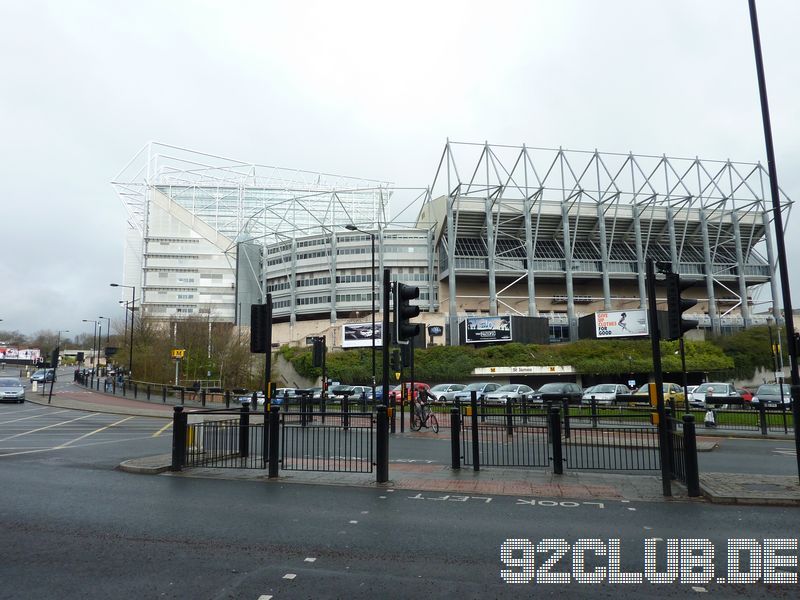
x: 94, y: 335
x: 351, y: 227
x: 108, y: 327
x: 133, y: 310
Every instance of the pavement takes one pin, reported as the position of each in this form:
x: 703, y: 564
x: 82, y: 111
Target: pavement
x: 724, y: 488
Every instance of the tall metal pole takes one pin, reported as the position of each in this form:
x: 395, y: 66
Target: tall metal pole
x: 683, y: 371
x: 788, y: 315
x: 133, y: 312
x: 374, y: 373
x: 387, y: 292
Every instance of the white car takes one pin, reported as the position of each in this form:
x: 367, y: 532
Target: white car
x: 512, y: 391
x: 446, y: 392
x: 604, y: 393
x: 716, y: 391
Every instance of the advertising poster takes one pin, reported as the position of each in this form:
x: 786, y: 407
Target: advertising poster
x: 621, y: 323
x: 488, y: 329
x: 359, y: 335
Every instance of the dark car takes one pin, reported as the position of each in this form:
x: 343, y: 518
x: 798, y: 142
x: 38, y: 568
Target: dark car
x: 770, y: 395
x: 558, y: 392
x: 43, y: 375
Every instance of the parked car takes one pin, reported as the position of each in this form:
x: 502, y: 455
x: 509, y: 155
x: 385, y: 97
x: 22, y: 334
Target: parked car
x: 446, y: 392
x: 11, y: 390
x: 746, y: 394
x: 714, y: 394
x: 556, y: 392
x: 43, y: 375
x: 481, y: 389
x: 337, y: 393
x: 770, y: 395
x: 394, y: 393
x: 605, y: 393
x: 259, y: 399
x: 511, y: 391
x: 672, y: 392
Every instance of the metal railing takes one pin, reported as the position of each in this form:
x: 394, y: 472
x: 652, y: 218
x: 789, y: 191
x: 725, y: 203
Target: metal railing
x: 682, y: 452
x: 343, y: 443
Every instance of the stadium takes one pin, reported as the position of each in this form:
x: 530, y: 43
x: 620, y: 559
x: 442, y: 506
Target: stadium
x: 516, y: 231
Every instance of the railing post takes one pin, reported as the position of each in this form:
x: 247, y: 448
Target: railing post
x: 566, y: 417
x: 203, y: 397
x: 244, y: 431
x: 345, y: 412
x: 148, y: 392
x: 135, y: 389
x: 178, y: 438
x: 509, y: 417
x: 183, y: 395
x: 323, y: 406
x: 455, y: 438
x: 762, y: 417
x: 363, y: 402
x: 690, y: 456
x: 114, y: 385
x: 594, y: 412
x: 274, y: 432
x: 402, y: 415
x: 670, y: 426
x: 382, y: 442
x: 228, y: 399
x: 483, y: 405
x: 555, y: 440
x: 303, y: 409
x: 525, y: 408
x: 164, y: 394
x: 476, y: 454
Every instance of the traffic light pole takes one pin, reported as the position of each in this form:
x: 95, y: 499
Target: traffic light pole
x: 267, y: 355
x: 655, y: 340
x: 778, y: 220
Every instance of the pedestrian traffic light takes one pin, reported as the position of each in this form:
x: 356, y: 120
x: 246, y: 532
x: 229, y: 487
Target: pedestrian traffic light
x: 318, y: 353
x: 260, y: 328
x: 404, y: 311
x: 676, y: 306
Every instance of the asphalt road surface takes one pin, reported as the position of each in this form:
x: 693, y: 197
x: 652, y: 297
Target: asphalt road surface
x: 73, y: 527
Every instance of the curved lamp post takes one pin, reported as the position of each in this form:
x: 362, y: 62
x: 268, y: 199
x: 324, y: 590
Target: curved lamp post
x: 133, y: 310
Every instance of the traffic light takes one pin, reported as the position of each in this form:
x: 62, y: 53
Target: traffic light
x: 260, y: 328
x: 405, y: 355
x: 318, y: 352
x: 404, y: 311
x: 394, y: 361
x: 54, y: 357
x: 676, y: 306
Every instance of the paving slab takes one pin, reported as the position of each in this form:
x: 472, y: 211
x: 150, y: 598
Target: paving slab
x: 733, y: 488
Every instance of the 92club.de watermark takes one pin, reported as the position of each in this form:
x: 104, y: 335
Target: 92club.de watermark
x: 672, y: 560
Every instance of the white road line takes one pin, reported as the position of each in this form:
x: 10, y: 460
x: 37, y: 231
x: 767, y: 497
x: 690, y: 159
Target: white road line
x: 85, y: 435
x: 162, y: 430
x: 264, y: 597
x: 310, y: 559
x: 33, y: 416
x: 49, y: 426
x: 105, y: 442
x: 290, y: 576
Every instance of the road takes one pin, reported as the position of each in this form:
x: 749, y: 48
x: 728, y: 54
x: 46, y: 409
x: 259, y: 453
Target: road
x: 74, y: 527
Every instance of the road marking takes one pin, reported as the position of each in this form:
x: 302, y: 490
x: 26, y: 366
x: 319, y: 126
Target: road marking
x: 264, y: 597
x: 698, y: 588
x: 353, y: 522
x: 290, y: 576
x: 309, y: 559
x: 162, y: 430
x: 32, y: 416
x: 85, y: 435
x: 49, y: 426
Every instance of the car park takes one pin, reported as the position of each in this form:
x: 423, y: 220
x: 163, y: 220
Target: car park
x: 11, y: 390
x: 770, y: 395
x: 511, y: 391
x: 604, y: 393
x: 43, y: 375
x: 446, y: 392
x: 558, y: 392
x: 480, y: 388
x: 715, y: 394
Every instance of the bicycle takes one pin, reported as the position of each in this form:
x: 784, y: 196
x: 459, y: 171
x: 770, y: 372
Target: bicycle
x: 422, y: 416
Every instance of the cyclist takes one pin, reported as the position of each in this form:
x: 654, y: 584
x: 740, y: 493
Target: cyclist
x: 422, y: 407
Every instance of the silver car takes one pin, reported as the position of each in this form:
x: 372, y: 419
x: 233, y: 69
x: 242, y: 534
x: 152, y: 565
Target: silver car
x: 480, y: 388
x: 11, y: 390
x: 512, y: 391
x: 446, y: 392
x: 604, y: 393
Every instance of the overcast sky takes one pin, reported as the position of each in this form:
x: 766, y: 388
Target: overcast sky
x: 368, y: 89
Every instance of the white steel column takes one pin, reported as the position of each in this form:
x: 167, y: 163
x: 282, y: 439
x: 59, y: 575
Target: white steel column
x: 773, y: 268
x: 527, y: 207
x: 452, y: 316
x: 601, y: 226
x: 334, y: 240
x: 573, y: 325
x: 709, y: 268
x: 293, y: 283
x: 740, y: 269
x: 637, y: 230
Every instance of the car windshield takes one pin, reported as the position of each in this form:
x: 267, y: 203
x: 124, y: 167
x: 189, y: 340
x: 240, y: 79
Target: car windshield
x: 551, y: 388
x: 507, y: 388
x: 474, y: 387
x: 772, y: 390
x: 10, y: 383
x: 440, y: 388
x: 702, y: 388
x: 605, y: 388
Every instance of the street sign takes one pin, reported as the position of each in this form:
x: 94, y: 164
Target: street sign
x: 397, y: 375
x: 178, y: 353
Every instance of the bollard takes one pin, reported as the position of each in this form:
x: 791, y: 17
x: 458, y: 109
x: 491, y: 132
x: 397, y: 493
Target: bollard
x: 690, y: 452
x: 183, y: 395
x: 403, y: 416
x: 476, y: 454
x: 525, y: 408
x: 203, y: 397
x: 303, y: 409
x: 285, y: 401
x: 363, y: 402
x: 244, y: 430
x: 382, y: 445
x: 114, y: 386
x: 483, y: 406
x: 227, y: 398
x: 164, y: 394
x: 670, y: 426
x: 135, y: 390
x: 178, y: 438
x: 148, y: 392
x: 323, y: 406
x: 455, y: 438
x: 555, y: 440
x: 346, y: 412
x: 509, y: 417
x: 565, y: 403
x: 274, y: 432
x: 594, y: 412
x: 762, y: 417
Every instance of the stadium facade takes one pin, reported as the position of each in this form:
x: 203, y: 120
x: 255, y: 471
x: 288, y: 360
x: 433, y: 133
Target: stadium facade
x: 501, y: 230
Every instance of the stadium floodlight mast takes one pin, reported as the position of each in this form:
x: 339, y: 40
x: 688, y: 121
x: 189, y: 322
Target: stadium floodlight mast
x: 133, y: 311
x: 352, y: 227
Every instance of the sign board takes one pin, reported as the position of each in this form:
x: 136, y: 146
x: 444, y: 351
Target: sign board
x: 435, y: 330
x: 626, y: 323
x: 360, y: 335
x: 32, y: 354
x: 178, y: 352
x: 526, y: 370
x: 488, y: 329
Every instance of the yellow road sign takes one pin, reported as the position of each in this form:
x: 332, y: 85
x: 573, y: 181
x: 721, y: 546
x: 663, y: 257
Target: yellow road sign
x: 178, y: 352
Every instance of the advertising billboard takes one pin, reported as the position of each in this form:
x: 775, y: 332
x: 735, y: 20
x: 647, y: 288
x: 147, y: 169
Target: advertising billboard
x: 20, y: 354
x: 621, y: 323
x: 488, y: 329
x: 359, y: 335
